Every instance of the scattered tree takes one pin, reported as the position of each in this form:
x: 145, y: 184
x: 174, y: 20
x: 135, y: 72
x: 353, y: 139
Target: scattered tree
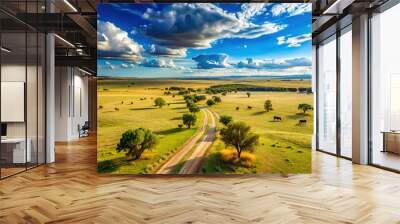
x: 210, y: 102
x: 239, y: 136
x: 189, y: 119
x: 248, y: 94
x: 135, y: 141
x: 193, y: 108
x: 159, y: 102
x: 224, y: 94
x: 225, y: 119
x: 268, y: 106
x: 305, y: 107
x: 217, y: 99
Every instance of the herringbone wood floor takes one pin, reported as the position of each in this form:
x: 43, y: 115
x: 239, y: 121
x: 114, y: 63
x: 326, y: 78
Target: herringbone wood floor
x: 70, y: 191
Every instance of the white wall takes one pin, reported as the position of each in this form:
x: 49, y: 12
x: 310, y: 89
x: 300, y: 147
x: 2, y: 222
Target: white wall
x: 71, y: 102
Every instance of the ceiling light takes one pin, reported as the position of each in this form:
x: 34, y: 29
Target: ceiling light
x: 70, y: 5
x: 84, y: 71
x: 65, y: 41
x: 5, y: 50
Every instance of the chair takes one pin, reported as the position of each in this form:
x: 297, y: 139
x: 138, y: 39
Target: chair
x: 84, y: 130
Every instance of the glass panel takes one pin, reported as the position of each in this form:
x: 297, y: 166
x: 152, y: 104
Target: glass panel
x: 346, y: 94
x: 13, y: 86
x: 385, y: 84
x: 327, y: 96
x: 31, y: 99
x: 41, y: 99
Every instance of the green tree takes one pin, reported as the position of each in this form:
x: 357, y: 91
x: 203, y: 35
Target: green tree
x: 159, y: 102
x: 305, y: 107
x: 248, y: 94
x: 189, y: 120
x: 268, y: 106
x: 193, y: 108
x: 135, y: 141
x: 210, y: 102
x: 239, y: 136
x: 217, y: 99
x: 225, y: 119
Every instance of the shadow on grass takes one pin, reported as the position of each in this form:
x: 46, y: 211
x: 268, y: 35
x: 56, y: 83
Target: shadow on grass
x: 259, y: 113
x: 296, y: 116
x: 144, y: 108
x: 178, y: 108
x: 176, y: 119
x: 181, y: 102
x: 169, y: 131
x: 109, y: 166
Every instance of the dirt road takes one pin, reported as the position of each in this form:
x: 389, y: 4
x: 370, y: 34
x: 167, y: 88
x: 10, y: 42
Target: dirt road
x: 169, y: 166
x: 193, y: 164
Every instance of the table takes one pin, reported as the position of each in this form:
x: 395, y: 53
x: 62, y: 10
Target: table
x: 13, y: 150
x: 391, y: 141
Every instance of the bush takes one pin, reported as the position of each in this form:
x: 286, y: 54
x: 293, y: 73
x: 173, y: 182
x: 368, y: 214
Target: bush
x: 210, y: 102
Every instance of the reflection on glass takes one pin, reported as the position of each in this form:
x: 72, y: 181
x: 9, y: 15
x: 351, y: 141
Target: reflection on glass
x: 385, y: 84
x: 327, y: 96
x: 346, y: 94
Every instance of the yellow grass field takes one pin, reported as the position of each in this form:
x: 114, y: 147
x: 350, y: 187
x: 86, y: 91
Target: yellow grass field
x: 285, y: 147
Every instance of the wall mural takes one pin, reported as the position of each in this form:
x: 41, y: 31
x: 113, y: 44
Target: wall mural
x: 220, y: 88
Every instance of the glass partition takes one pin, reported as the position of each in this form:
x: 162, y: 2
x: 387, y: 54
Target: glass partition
x: 327, y: 95
x: 385, y: 89
x: 22, y: 77
x: 346, y: 93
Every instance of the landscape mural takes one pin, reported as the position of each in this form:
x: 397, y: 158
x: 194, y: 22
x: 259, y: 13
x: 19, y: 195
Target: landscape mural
x: 220, y: 88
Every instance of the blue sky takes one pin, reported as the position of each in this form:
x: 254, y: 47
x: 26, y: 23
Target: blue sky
x: 225, y: 39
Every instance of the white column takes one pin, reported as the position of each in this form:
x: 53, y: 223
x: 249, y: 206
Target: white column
x: 360, y: 90
x: 50, y: 99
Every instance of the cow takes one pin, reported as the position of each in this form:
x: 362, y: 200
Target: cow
x: 302, y: 122
x: 249, y: 107
x: 277, y: 118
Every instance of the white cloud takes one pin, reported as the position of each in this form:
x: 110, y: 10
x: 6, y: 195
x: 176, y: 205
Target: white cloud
x: 182, y: 26
x: 158, y: 63
x: 281, y: 40
x: 291, y: 9
x: 209, y: 61
x: 165, y: 51
x: 295, y: 41
x: 115, y: 43
x: 123, y: 65
x: 250, y: 10
x: 275, y: 63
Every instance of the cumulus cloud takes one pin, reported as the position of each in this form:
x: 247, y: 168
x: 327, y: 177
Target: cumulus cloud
x: 290, y: 9
x: 158, y: 63
x: 113, y: 42
x: 295, y: 41
x: 123, y: 65
x: 165, y: 51
x: 198, y: 25
x: 274, y: 63
x: 210, y: 61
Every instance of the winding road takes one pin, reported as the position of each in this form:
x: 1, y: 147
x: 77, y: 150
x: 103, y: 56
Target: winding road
x: 198, y: 147
x: 193, y: 163
x: 169, y: 166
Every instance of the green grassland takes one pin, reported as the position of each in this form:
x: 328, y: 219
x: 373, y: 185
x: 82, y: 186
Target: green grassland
x: 284, y: 146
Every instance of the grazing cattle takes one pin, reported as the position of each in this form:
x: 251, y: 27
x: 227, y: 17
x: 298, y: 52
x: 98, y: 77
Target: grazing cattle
x: 237, y: 108
x: 302, y: 122
x: 249, y: 107
x: 277, y: 118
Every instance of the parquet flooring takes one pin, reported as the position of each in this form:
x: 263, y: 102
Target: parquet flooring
x: 70, y: 191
